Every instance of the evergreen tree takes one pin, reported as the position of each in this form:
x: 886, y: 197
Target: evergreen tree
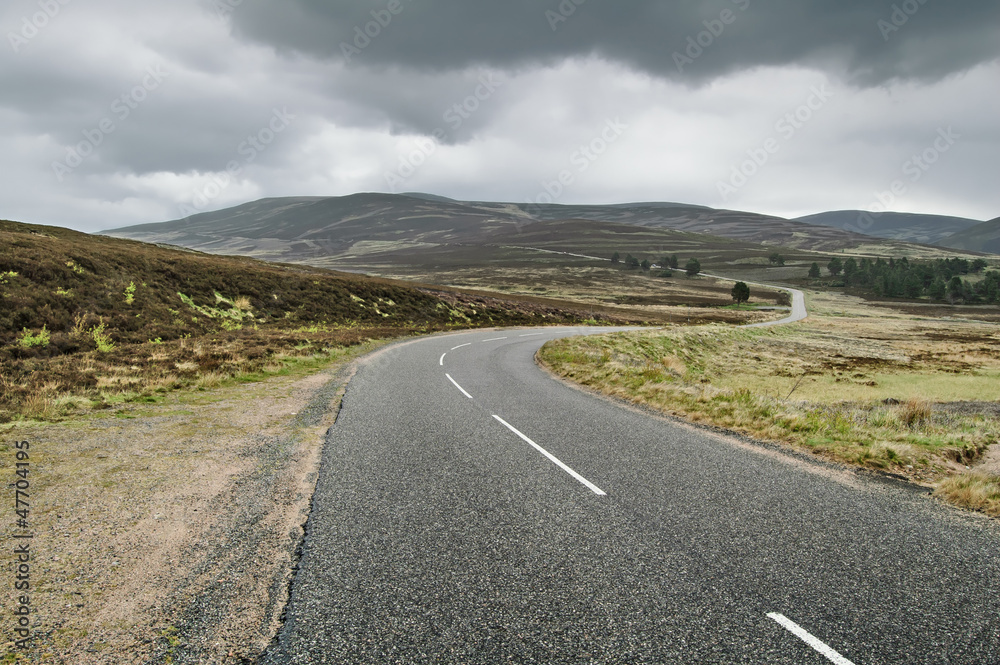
x: 693, y: 267
x: 741, y: 292
x: 814, y: 270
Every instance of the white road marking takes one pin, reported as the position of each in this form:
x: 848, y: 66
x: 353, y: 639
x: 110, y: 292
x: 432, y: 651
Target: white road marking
x: 442, y: 359
x: 593, y: 488
x: 803, y: 635
x: 458, y: 386
x: 531, y: 335
x: 460, y: 346
x: 494, y: 339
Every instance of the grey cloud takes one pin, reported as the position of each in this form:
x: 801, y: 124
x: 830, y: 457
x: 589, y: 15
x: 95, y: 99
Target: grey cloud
x: 916, y: 39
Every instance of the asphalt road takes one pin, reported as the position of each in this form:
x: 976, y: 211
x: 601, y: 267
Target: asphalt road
x: 798, y: 310
x: 444, y: 531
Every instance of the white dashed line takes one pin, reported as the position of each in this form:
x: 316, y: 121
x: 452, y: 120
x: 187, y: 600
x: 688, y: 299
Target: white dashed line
x: 804, y: 635
x: 593, y: 488
x: 460, y: 346
x: 531, y: 335
x: 458, y: 386
x: 442, y: 359
x: 494, y: 339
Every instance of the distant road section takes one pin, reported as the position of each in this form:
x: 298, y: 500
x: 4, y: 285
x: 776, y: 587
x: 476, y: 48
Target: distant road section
x: 798, y: 313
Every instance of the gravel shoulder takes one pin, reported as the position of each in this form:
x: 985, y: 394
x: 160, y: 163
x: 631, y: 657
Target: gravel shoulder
x: 167, y: 533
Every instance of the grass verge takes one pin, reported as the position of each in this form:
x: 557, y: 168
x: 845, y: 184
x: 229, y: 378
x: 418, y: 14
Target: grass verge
x: 803, y: 386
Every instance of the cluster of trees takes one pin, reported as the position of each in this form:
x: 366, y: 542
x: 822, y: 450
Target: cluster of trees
x: 939, y: 280
x: 666, y: 264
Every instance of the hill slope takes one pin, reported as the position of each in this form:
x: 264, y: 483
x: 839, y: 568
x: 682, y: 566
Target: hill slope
x: 110, y: 319
x: 983, y: 237
x: 307, y: 229
x: 908, y: 227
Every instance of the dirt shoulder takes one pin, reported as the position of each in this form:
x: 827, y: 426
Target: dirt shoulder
x: 167, y: 532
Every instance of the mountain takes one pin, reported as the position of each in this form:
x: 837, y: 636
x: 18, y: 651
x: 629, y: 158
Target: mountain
x: 307, y: 228
x: 983, y: 237
x: 907, y: 227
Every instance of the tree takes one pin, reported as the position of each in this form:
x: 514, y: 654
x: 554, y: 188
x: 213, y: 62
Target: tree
x: 645, y: 265
x: 955, y: 289
x: 835, y: 266
x: 978, y: 265
x: 631, y: 263
x: 814, y: 270
x: 937, y: 290
x: 693, y: 267
x: 741, y: 292
x: 616, y: 258
x: 674, y: 261
x: 776, y: 259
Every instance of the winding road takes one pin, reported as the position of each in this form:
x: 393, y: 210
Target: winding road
x: 472, y: 509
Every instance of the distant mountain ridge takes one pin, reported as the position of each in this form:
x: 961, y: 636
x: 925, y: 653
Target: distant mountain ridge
x: 331, y: 230
x: 904, y: 226
x: 983, y: 237
x: 332, y: 224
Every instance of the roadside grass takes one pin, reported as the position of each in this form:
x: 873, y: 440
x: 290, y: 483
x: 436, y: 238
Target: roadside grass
x: 70, y: 386
x: 978, y: 491
x: 870, y: 393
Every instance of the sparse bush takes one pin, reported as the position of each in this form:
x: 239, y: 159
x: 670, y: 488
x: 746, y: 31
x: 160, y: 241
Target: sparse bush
x: 29, y: 340
x: 102, y: 338
x: 130, y: 293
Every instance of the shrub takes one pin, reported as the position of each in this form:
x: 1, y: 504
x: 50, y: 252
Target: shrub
x: 29, y: 340
x: 102, y: 339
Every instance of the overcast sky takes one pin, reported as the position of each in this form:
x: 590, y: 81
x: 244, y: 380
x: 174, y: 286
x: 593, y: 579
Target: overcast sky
x: 120, y: 112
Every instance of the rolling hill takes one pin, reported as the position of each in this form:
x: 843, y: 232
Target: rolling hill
x: 983, y: 237
x: 95, y: 320
x: 907, y: 227
x: 310, y: 229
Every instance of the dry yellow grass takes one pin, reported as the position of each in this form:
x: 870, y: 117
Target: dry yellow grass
x: 975, y: 490
x: 857, y: 384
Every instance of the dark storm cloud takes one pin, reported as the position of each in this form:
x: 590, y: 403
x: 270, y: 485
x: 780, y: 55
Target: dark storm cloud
x: 869, y: 42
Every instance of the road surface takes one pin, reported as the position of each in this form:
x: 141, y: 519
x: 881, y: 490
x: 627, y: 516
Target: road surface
x: 798, y: 312
x: 472, y: 509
